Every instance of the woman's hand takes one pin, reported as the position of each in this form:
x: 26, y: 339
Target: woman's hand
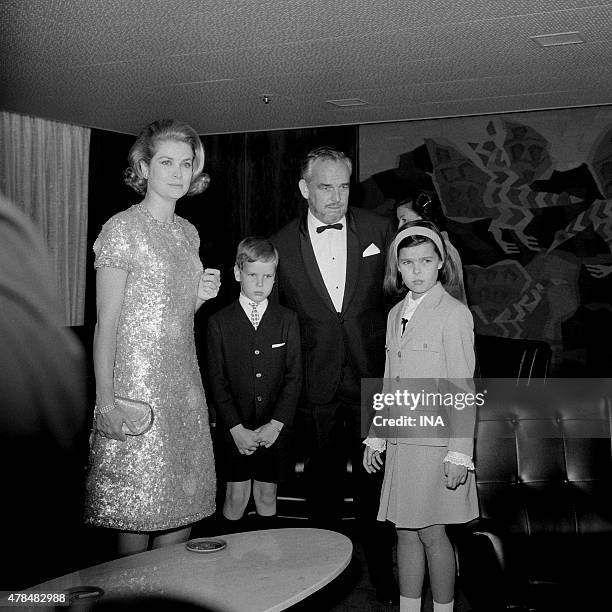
x: 455, y: 474
x: 109, y: 424
x: 209, y: 284
x: 372, y: 461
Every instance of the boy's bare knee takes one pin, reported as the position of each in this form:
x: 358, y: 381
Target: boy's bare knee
x: 237, y: 494
x: 264, y: 493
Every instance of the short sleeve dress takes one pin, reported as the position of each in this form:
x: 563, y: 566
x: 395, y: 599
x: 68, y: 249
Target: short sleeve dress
x: 164, y: 478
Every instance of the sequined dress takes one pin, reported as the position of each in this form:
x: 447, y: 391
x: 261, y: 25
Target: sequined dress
x: 164, y: 478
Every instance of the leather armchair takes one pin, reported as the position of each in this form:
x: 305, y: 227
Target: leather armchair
x: 544, y: 481
x: 520, y: 359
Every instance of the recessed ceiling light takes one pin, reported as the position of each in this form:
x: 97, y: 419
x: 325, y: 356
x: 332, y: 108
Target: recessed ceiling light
x: 347, y: 102
x: 561, y: 38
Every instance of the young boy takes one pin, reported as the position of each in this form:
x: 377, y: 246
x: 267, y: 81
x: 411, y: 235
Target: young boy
x: 255, y: 373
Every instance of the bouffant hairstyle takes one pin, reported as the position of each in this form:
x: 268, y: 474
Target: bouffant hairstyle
x: 144, y: 149
x: 255, y: 248
x: 322, y: 153
x: 393, y: 283
x: 426, y: 205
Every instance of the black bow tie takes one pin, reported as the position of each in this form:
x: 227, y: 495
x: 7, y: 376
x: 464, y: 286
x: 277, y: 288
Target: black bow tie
x: 322, y: 228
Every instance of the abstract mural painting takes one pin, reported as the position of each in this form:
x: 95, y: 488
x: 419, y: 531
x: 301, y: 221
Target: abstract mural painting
x: 528, y: 199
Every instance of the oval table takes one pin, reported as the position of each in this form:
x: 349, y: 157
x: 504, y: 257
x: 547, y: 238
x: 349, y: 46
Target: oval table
x: 259, y: 571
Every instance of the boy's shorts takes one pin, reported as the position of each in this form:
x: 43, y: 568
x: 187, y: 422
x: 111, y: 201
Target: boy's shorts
x: 272, y: 464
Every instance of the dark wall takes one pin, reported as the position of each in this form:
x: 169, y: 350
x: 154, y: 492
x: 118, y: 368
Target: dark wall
x: 271, y: 197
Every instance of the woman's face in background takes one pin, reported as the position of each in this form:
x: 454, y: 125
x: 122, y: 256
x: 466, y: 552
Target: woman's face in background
x: 405, y: 214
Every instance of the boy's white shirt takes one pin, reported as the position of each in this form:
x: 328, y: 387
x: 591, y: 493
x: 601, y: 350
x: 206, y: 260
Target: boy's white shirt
x: 246, y: 305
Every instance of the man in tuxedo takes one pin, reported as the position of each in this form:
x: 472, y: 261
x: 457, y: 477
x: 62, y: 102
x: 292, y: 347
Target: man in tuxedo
x: 330, y: 272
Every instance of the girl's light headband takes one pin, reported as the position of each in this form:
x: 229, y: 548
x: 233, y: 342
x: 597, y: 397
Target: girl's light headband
x: 415, y: 230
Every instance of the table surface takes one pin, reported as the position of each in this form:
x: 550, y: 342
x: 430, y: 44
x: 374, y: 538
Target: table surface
x: 265, y: 570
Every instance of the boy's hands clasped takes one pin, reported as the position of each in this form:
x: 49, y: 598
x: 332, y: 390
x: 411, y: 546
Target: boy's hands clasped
x: 268, y: 433
x: 248, y: 441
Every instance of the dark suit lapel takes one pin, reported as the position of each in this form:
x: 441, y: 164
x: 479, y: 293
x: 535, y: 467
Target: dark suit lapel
x: 312, y: 267
x: 353, y: 260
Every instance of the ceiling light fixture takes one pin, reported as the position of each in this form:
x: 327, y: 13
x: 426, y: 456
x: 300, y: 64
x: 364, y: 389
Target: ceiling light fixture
x: 347, y: 102
x: 558, y: 39
x: 266, y: 99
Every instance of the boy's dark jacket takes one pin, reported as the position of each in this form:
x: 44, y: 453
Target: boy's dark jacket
x: 255, y: 375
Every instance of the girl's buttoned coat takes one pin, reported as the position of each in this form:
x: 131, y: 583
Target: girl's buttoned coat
x: 438, y: 343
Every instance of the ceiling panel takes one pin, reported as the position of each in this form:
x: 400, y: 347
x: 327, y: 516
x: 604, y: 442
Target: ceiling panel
x: 111, y: 63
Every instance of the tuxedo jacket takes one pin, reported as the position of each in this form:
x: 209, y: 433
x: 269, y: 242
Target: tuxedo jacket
x: 254, y: 375
x: 331, y: 339
x: 438, y: 343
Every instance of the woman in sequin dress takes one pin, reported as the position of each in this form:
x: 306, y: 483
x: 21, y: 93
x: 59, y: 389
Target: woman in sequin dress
x: 149, y: 283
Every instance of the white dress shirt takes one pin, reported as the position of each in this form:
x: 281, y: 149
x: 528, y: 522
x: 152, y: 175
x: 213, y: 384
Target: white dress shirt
x: 245, y: 302
x: 330, y: 252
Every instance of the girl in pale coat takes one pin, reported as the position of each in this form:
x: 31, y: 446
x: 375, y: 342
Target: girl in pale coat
x: 429, y: 481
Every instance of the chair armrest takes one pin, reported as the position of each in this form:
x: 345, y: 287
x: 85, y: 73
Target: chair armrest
x: 493, y: 532
x: 481, y: 563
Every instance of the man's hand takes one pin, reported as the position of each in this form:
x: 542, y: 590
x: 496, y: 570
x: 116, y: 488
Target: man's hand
x: 245, y: 439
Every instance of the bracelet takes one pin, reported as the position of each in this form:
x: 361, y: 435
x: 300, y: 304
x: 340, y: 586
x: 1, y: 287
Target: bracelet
x: 105, y: 409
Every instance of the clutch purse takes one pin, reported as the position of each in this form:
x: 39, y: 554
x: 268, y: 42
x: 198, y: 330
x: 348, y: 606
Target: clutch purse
x: 140, y: 413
